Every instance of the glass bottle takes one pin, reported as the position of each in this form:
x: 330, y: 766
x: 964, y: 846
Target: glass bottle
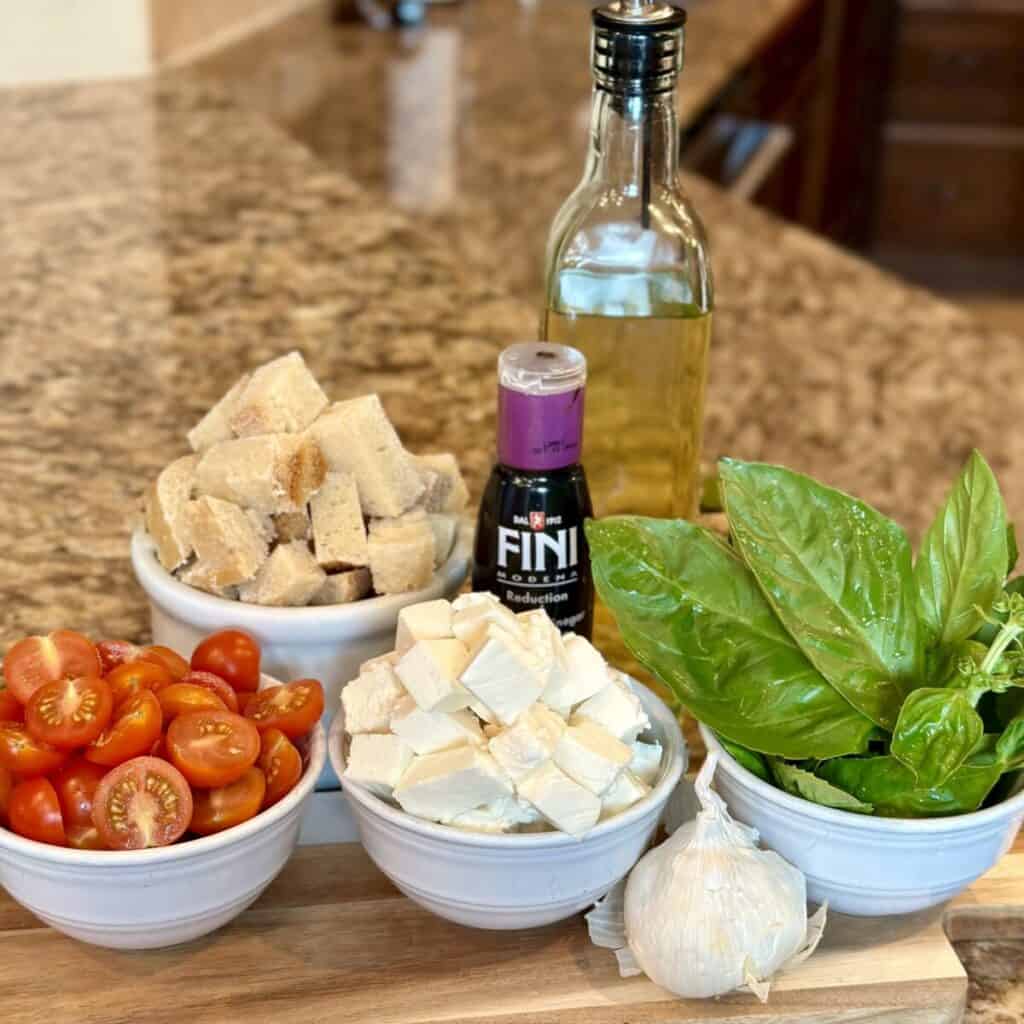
x: 530, y: 547
x: 628, y: 280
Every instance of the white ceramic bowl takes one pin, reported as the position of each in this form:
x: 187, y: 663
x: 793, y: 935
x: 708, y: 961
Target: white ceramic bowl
x: 328, y: 643
x: 518, y: 880
x: 866, y: 865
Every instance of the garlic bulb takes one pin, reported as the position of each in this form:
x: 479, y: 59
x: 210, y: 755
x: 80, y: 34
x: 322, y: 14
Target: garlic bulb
x: 708, y: 912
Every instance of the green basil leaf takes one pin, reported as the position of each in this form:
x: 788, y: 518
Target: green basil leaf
x: 1010, y: 745
x: 1012, y: 551
x: 962, y: 563
x: 692, y: 613
x: 749, y: 759
x: 990, y: 628
x: 803, y: 783
x: 890, y: 786
x: 935, y: 734
x: 838, y: 575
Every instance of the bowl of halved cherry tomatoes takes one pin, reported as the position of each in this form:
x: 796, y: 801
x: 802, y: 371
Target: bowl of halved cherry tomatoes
x: 146, y: 799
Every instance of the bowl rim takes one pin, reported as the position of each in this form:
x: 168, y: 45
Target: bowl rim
x: 860, y: 822
x: 674, y: 760
x: 160, y: 855
x: 280, y: 623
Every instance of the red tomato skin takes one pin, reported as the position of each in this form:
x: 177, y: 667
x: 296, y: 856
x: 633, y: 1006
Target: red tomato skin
x: 233, y: 655
x: 44, y: 659
x: 11, y: 709
x: 202, y: 773
x: 267, y: 711
x: 170, y: 660
x: 44, y: 715
x: 25, y: 756
x: 85, y: 837
x: 131, y: 733
x: 226, y: 806
x: 281, y: 764
x: 212, y: 681
x: 34, y: 812
x: 76, y: 783
x: 116, y: 652
x: 126, y: 680
x: 112, y: 818
x: 6, y: 785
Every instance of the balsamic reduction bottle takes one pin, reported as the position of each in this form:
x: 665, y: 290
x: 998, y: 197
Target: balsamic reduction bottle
x: 531, y: 550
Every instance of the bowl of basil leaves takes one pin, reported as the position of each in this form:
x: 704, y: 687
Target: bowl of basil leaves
x: 869, y: 705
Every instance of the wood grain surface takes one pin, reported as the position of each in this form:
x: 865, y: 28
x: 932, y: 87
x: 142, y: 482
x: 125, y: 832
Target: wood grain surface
x: 333, y: 941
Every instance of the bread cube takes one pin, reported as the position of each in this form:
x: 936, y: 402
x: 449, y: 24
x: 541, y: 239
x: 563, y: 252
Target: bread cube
x: 591, y: 756
x: 445, y: 529
x: 166, y: 507
x: 377, y: 761
x: 625, y: 791
x: 339, y: 534
x: 616, y: 708
x: 215, y: 426
x: 370, y: 700
x: 343, y: 587
x: 646, y: 761
x: 502, y: 674
x: 452, y: 496
x: 281, y: 397
x: 401, y: 554
x: 357, y: 437
x: 430, y: 671
x: 428, y: 620
x: 428, y: 732
x: 289, y: 526
x: 197, y: 575
x: 268, y: 474
x: 288, y: 578
x: 569, y: 806
x: 522, y: 747
x: 443, y: 785
x: 225, y: 541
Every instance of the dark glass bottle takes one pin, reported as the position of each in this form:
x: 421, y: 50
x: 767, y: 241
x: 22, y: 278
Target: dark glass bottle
x: 531, y: 551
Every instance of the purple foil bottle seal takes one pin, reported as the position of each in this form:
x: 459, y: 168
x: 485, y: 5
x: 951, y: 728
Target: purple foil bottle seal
x: 540, y: 406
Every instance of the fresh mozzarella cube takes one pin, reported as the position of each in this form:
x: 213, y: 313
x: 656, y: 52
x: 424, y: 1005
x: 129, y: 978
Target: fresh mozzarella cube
x: 502, y: 815
x: 370, y: 700
x: 377, y: 761
x: 502, y: 674
x: 443, y: 785
x: 430, y: 671
x: 522, y: 747
x: 616, y: 708
x: 646, y: 762
x: 586, y: 673
x: 391, y: 658
x: 544, y: 641
x: 427, y: 732
x: 472, y: 613
x: 564, y: 803
x: 490, y: 731
x: 591, y: 756
x: 431, y: 620
x: 625, y: 791
x: 481, y: 710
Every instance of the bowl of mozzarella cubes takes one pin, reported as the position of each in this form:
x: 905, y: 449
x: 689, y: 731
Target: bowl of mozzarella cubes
x: 502, y: 775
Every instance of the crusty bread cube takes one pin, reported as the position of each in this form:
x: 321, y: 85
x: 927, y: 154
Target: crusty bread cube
x: 281, y: 397
x: 343, y: 587
x: 198, y: 575
x: 339, y: 534
x: 357, y: 437
x: 225, y: 541
x: 270, y: 473
x: 401, y: 553
x: 215, y: 426
x: 262, y: 524
x: 166, y: 503
x: 444, y: 527
x: 450, y: 496
x: 290, y: 526
x: 289, y: 577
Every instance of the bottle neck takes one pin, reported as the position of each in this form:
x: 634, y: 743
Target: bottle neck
x: 634, y: 141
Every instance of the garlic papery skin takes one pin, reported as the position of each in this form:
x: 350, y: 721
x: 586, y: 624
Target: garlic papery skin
x: 708, y: 912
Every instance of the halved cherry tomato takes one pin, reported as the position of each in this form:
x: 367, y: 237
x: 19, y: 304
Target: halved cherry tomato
x: 127, y: 679
x: 69, y: 713
x: 6, y: 785
x: 76, y: 783
x: 44, y: 659
x: 214, y: 682
x: 220, y: 808
x: 34, y: 812
x: 179, y: 698
x: 212, y: 748
x: 232, y: 655
x: 170, y: 660
x: 85, y: 837
x: 142, y: 803
x: 159, y: 749
x: 11, y: 709
x: 281, y: 763
x: 135, y: 727
x: 293, y: 708
x: 116, y: 652
x: 24, y: 755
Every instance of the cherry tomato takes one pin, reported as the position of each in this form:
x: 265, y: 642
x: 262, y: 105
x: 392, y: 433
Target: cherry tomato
x: 69, y: 713
x: 34, y: 812
x: 232, y: 655
x: 159, y: 749
x: 24, y: 755
x: 44, y: 659
x: 85, y: 837
x: 11, y: 709
x: 212, y: 748
x: 134, y: 729
x: 220, y: 808
x: 76, y: 783
x: 219, y: 686
x: 127, y: 679
x: 293, y: 708
x: 170, y: 660
x: 6, y: 785
x: 179, y: 698
x: 281, y: 763
x: 142, y: 803
x: 116, y: 652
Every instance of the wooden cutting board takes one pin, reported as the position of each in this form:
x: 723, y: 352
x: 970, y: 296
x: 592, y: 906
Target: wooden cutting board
x: 333, y: 941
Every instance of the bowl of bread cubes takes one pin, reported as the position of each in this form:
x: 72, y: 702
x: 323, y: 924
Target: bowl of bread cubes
x: 304, y: 522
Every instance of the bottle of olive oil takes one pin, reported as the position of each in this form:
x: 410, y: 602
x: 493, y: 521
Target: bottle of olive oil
x: 628, y: 280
